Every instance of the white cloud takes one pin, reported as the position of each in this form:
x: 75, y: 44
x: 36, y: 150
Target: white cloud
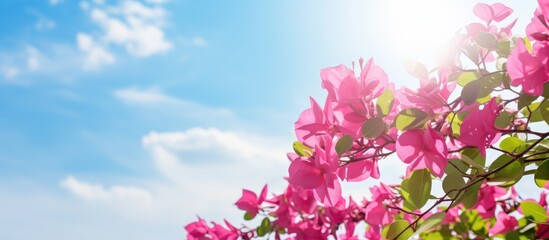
x: 158, y: 1
x: 155, y: 100
x: 145, y: 96
x: 96, y: 192
x: 96, y: 56
x: 33, y: 58
x: 10, y: 72
x: 206, y: 163
x: 54, y: 2
x: 44, y: 24
x: 133, y: 25
x: 233, y: 144
x: 198, y: 41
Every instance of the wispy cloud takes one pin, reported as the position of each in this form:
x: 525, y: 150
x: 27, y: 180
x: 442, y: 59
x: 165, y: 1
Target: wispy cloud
x: 136, y: 26
x: 55, y: 2
x: 96, y: 192
x: 192, y: 180
x: 155, y: 99
x: 44, y: 23
x: 96, y: 55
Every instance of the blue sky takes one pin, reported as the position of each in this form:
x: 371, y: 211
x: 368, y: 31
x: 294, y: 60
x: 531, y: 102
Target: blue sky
x: 125, y: 119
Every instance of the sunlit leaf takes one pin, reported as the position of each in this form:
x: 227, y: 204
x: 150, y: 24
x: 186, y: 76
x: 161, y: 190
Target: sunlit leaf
x: 511, y: 144
x: 396, y: 229
x: 533, y: 110
x: 463, y: 78
x: 508, y: 175
x: 301, y: 149
x: 384, y: 103
x: 542, y: 174
x: 534, y: 211
x: 411, y: 118
x: 430, y: 222
x: 420, y: 187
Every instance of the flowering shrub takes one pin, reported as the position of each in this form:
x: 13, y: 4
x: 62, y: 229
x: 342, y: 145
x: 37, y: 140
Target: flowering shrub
x: 441, y: 131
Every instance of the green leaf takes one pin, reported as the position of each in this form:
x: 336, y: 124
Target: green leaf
x: 546, y: 91
x: 533, y: 110
x: 411, y: 118
x: 473, y: 157
x: 393, y: 230
x: 512, y: 144
x: 466, y: 77
x: 527, y: 43
x: 534, y: 211
x: 384, y: 103
x: 416, y: 69
x: 344, y: 144
x: 420, y: 187
x: 248, y: 216
x: 544, y: 111
x: 487, y: 40
x: 265, y: 227
x: 430, y: 222
x: 470, y: 196
x: 509, y: 175
x: 405, y: 192
x: 542, y: 174
x: 373, y: 127
x: 504, y: 119
x: 453, y: 182
x: 525, y: 99
x: 302, y: 150
x: 504, y: 48
x: 471, y: 92
x: 451, y: 168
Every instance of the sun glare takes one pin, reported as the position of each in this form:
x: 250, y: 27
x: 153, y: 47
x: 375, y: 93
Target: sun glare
x: 418, y: 27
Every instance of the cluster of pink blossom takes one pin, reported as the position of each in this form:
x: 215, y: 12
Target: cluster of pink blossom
x: 441, y: 130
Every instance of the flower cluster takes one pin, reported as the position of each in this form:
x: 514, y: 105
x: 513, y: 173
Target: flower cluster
x: 487, y: 96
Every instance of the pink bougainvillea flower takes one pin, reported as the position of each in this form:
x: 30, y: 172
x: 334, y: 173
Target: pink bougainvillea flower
x: 486, y: 204
x: 376, y: 213
x: 423, y: 149
x: 332, y: 78
x: 529, y: 71
x: 249, y: 201
x: 318, y: 173
x: 493, y: 12
x: 356, y: 92
x: 315, y: 125
x: 198, y: 230
x: 312, y: 124
x: 373, y: 233
x: 360, y: 170
x: 353, y: 96
x: 432, y: 95
x: 538, y: 28
x: 504, y: 224
x: 478, y: 130
x: 225, y: 234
